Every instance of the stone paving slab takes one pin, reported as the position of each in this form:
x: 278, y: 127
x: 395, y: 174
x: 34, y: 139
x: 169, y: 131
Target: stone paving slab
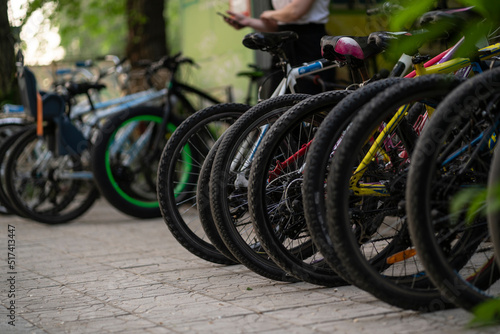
x: 110, y: 273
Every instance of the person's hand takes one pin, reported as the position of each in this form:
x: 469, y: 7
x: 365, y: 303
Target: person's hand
x: 268, y: 20
x: 267, y: 15
x: 237, y: 21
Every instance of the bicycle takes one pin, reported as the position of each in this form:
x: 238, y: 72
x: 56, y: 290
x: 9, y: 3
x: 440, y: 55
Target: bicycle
x: 261, y: 221
x: 71, y: 137
x: 5, y: 146
x: 376, y: 186
x: 239, y: 239
x: 273, y: 188
x: 128, y: 147
x: 229, y: 180
x: 39, y: 193
x: 453, y: 155
x: 178, y: 214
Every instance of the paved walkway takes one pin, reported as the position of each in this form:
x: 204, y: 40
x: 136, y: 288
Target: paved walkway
x: 108, y: 273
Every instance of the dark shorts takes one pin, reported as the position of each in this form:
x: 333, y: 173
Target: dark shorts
x: 306, y: 49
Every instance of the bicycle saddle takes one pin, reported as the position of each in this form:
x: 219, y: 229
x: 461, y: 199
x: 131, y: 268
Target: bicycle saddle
x: 383, y: 39
x: 53, y: 105
x: 449, y: 18
x: 265, y: 41
x: 342, y: 47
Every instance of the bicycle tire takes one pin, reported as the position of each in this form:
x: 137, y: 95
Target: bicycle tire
x: 467, y: 112
x: 235, y: 229
x: 5, y: 147
x: 124, y: 162
x: 366, y: 230
x: 9, y: 126
x: 203, y: 203
x: 43, y: 193
x: 184, y: 225
x: 492, y: 198
x: 278, y: 202
x: 318, y: 161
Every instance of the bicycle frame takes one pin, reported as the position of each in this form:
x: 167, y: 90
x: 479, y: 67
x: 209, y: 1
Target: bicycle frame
x: 112, y: 107
x: 292, y: 74
x: 290, y: 80
x: 450, y: 66
x: 441, y: 64
x: 90, y: 116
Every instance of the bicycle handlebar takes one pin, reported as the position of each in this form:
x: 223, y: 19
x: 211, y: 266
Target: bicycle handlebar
x: 117, y: 67
x: 171, y: 63
x: 385, y: 8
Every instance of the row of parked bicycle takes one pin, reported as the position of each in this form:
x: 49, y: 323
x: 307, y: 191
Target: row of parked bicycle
x: 383, y: 185
x: 64, y: 142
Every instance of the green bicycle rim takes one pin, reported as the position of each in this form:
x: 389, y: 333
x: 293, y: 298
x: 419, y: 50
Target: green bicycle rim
x: 186, y: 154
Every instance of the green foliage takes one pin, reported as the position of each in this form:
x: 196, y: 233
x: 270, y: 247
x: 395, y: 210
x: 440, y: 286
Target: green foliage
x: 487, y: 8
x: 403, y: 19
x: 494, y: 206
x: 470, y: 200
x: 486, y: 314
x: 33, y: 6
x: 473, y: 202
x: 87, y: 27
x: 475, y: 29
x: 173, y: 22
x: 91, y: 27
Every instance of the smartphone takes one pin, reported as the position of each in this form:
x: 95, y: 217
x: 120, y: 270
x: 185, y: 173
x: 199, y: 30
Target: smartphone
x: 230, y: 20
x: 224, y: 16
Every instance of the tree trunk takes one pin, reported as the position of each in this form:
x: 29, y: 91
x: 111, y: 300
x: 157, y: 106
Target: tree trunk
x: 146, y: 30
x: 8, y: 86
x: 146, y: 40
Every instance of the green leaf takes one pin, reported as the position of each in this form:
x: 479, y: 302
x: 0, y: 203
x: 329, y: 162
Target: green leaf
x: 403, y: 19
x: 477, y: 206
x: 486, y: 314
x: 494, y: 204
x: 470, y: 201
x: 487, y: 8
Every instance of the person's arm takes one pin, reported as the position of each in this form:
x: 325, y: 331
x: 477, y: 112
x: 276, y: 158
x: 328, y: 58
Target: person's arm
x: 242, y: 21
x: 290, y: 13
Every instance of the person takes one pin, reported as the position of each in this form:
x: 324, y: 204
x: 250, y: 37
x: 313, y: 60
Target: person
x: 305, y: 17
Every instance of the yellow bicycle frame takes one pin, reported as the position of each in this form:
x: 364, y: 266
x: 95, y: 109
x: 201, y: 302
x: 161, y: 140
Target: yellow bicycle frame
x: 376, y: 189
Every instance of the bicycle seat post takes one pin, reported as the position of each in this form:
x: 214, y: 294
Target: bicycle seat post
x: 282, y: 58
x: 418, y: 62
x: 358, y: 69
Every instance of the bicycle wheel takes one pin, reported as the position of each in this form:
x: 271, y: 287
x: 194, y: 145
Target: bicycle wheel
x: 318, y: 161
x: 365, y: 188
x: 9, y: 126
x: 125, y: 160
x: 203, y: 203
x: 275, y: 191
x: 228, y: 185
x: 193, y: 138
x: 492, y: 198
x: 452, y: 159
x: 44, y: 187
x: 5, y: 149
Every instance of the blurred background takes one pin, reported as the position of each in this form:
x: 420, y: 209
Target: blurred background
x: 58, y: 33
